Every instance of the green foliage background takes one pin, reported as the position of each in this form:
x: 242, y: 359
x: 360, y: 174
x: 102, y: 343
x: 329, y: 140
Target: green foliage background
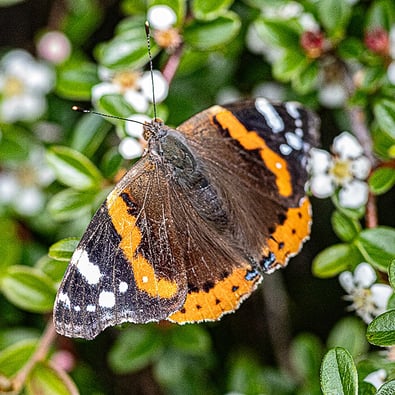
x: 292, y: 336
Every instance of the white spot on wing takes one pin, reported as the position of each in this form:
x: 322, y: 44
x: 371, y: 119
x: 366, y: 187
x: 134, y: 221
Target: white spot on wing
x: 279, y: 165
x: 271, y: 116
x: 144, y: 279
x: 299, y: 132
x: 64, y: 298
x: 292, y: 109
x: 123, y: 287
x: 86, y: 268
x: 106, y: 299
x: 91, y: 308
x: 294, y: 141
x: 77, y: 308
x: 285, y: 149
x: 298, y: 123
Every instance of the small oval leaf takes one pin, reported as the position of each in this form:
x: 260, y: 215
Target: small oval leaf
x: 63, y: 249
x: 381, y: 331
x: 338, y: 373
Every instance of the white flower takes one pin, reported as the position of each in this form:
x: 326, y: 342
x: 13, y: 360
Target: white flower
x: 24, y: 82
x: 332, y: 94
x: 368, y: 299
x: 54, y: 46
x: 21, y: 186
x: 161, y: 17
x: 132, y: 147
x: 376, y: 378
x: 346, y: 168
x: 134, y: 86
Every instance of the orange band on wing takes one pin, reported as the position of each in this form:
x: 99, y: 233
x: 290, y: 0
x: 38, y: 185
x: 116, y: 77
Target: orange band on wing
x: 287, y: 240
x: 250, y: 140
x: 224, y: 297
x: 144, y: 274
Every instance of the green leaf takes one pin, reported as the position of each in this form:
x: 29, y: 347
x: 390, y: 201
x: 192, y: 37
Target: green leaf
x: 346, y: 228
x: 28, y: 288
x: 89, y: 133
x: 384, y: 112
x: 76, y: 79
x: 305, y: 355
x: 135, y: 349
x: 306, y: 81
x: 377, y: 245
x: 335, y: 259
x: 62, y: 250
x: 74, y: 169
x: 351, y: 48
x: 128, y: 49
x: 349, y: 333
x: 381, y: 331
x: 111, y: 162
x: 10, y: 246
x: 115, y: 105
x: 70, y: 204
x: 208, y: 10
x: 289, y: 66
x: 52, y: 268
x: 338, y: 373
x: 279, y: 33
x: 47, y: 380
x: 382, y: 180
x: 381, y: 14
x: 334, y: 16
x: 384, y: 144
x: 387, y: 388
x: 391, y: 273
x: 356, y: 213
x: 206, y: 36
x: 191, y: 339
x: 14, y: 357
x: 15, y: 143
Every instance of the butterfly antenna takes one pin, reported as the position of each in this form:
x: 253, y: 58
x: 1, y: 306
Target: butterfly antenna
x: 148, y: 34
x: 87, y: 111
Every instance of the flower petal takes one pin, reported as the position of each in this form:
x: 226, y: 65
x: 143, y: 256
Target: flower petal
x: 361, y: 167
x: 380, y: 294
x: 354, y: 194
x: 136, y: 129
x: 376, y: 378
x: 130, y: 148
x: 319, y: 161
x: 346, y: 280
x: 347, y: 146
x: 161, y: 17
x: 322, y: 186
x: 364, y: 275
x: 104, y: 88
x: 138, y: 101
x: 160, y: 84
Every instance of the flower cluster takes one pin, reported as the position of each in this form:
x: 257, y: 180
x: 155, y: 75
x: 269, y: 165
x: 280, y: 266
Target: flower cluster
x: 24, y: 82
x: 345, y: 171
x: 368, y: 298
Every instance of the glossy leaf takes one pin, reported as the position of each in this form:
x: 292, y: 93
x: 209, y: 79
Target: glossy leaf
x: 76, y: 80
x: 381, y: 14
x: 46, y: 380
x: 10, y: 246
x: 89, y: 133
x: 289, y: 66
x: 334, y: 16
x: 338, y: 373
x: 73, y: 168
x: 391, y: 273
x: 205, y: 36
x: 14, y: 357
x: 28, y: 288
x: 70, y: 204
x: 377, y: 245
x: 115, y: 105
x: 335, y: 259
x: 387, y: 388
x: 208, y: 10
x: 349, y: 333
x: 346, y: 228
x: 62, y: 250
x: 384, y: 112
x: 191, y: 339
x: 135, y: 349
x: 381, y: 331
x: 306, y: 354
x: 382, y: 180
x: 52, y: 268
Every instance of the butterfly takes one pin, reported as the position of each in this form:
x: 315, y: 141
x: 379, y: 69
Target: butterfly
x: 189, y: 231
